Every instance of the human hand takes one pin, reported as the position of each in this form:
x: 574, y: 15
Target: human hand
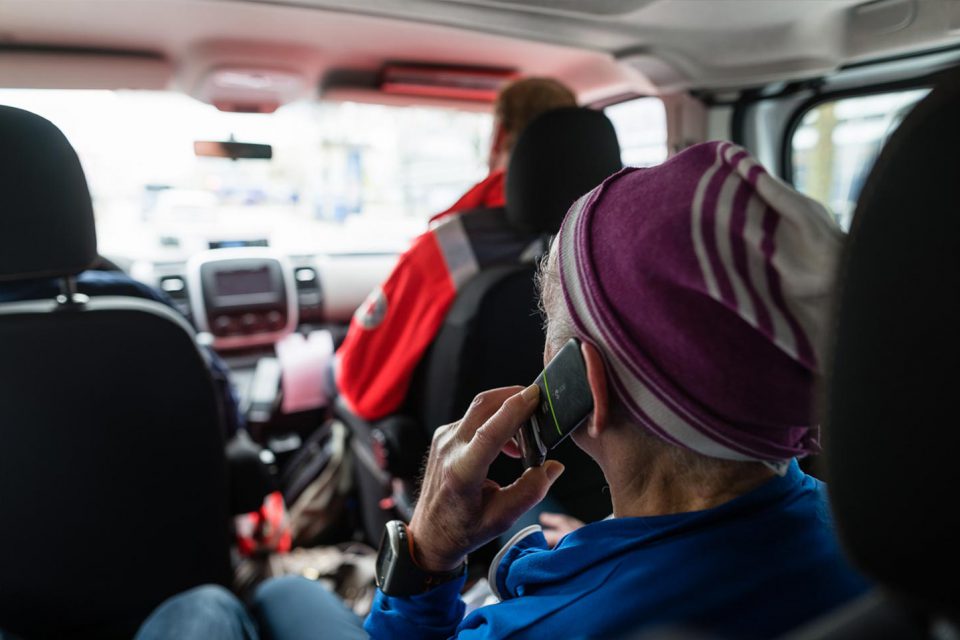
x: 557, y: 525
x: 459, y: 508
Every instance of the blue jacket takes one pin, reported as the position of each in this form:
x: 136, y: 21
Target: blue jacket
x: 112, y: 283
x: 754, y: 567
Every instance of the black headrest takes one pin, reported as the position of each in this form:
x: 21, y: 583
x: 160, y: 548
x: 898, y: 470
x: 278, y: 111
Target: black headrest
x: 892, y: 437
x: 46, y: 217
x: 560, y: 156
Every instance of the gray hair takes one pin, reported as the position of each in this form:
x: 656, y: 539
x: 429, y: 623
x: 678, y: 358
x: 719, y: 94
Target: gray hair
x: 557, y: 323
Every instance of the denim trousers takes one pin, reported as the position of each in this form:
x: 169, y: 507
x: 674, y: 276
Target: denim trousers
x: 288, y: 608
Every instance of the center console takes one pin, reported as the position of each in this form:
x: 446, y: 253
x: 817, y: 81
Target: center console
x: 243, y: 297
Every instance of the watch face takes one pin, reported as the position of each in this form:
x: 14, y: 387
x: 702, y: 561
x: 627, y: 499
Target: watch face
x: 397, y: 572
x: 387, y: 556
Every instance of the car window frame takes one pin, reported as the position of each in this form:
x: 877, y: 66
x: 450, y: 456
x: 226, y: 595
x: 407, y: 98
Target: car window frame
x: 927, y: 81
x: 622, y: 98
x: 757, y: 117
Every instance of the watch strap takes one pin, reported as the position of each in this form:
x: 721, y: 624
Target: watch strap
x: 398, y: 573
x: 432, y: 578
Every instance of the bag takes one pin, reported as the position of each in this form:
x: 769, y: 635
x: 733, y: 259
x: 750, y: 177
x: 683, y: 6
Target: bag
x: 317, y: 482
x: 316, y: 485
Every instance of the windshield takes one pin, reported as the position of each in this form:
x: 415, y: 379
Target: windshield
x: 344, y: 177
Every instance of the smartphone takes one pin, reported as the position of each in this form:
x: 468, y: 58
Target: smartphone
x: 565, y: 404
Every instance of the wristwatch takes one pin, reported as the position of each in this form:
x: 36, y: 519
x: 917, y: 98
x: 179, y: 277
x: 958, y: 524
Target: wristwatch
x: 398, y: 573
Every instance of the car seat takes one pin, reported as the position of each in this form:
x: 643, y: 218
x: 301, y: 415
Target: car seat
x: 113, y: 483
x: 891, y: 440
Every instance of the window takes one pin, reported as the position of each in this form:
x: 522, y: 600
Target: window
x: 641, y: 126
x: 836, y: 143
x: 344, y: 177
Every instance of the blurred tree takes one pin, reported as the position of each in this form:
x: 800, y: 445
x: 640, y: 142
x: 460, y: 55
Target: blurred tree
x: 820, y: 178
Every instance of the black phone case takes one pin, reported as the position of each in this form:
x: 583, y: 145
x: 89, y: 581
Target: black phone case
x: 565, y: 402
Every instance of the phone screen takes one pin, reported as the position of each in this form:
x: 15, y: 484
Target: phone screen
x: 565, y: 403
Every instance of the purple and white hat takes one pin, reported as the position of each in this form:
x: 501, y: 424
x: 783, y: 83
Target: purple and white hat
x: 705, y: 283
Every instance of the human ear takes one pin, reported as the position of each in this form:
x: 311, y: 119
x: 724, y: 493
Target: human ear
x: 597, y: 379
x: 497, y: 142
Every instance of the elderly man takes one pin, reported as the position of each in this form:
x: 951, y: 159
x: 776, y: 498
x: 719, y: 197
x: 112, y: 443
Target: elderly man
x: 699, y: 290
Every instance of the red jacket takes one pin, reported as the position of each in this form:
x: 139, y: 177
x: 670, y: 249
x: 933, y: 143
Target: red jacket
x: 392, y: 329
x: 487, y: 194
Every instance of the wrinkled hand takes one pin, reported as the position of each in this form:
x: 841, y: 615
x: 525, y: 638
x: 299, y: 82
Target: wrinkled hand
x: 459, y: 508
x: 557, y: 525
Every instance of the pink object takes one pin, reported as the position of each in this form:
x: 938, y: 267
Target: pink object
x: 304, y: 362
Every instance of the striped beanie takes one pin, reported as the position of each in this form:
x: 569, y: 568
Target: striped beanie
x: 705, y: 283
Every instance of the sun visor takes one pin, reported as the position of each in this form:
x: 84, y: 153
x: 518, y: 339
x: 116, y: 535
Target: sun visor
x: 70, y: 69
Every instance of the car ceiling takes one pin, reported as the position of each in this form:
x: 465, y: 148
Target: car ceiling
x: 602, y: 47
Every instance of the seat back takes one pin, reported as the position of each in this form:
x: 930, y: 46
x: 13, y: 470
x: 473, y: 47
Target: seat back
x: 493, y: 334
x: 113, y: 483
x: 479, y: 347
x: 890, y: 437
x: 112, y: 476
x: 478, y: 332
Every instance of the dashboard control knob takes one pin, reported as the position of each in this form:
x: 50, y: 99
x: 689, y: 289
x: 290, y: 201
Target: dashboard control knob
x: 250, y: 322
x: 275, y: 320
x: 222, y: 324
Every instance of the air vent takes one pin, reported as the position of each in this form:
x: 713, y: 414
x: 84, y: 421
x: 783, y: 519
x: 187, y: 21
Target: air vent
x: 176, y: 287
x: 306, y: 277
x: 309, y: 293
x: 173, y: 285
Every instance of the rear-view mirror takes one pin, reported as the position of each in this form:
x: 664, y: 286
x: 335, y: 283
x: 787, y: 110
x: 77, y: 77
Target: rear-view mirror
x: 232, y: 150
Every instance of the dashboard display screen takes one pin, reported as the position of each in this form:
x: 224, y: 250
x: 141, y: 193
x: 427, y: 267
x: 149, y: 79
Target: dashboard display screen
x: 241, y: 282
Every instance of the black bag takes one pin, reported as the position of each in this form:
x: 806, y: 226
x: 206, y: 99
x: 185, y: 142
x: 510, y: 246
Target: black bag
x: 317, y: 482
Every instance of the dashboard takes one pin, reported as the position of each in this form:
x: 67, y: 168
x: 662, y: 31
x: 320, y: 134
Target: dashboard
x: 243, y: 297
x: 248, y: 297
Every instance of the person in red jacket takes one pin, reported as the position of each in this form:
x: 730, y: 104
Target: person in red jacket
x: 393, y: 328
